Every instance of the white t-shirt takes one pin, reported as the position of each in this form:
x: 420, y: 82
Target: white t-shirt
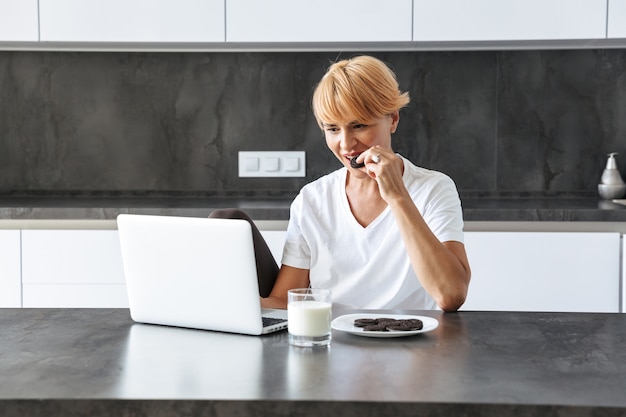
x: 367, y: 267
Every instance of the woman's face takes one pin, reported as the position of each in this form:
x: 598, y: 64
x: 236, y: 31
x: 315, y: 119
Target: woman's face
x: 349, y: 139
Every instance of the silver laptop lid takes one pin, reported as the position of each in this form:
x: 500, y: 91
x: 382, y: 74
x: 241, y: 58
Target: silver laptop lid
x: 191, y: 272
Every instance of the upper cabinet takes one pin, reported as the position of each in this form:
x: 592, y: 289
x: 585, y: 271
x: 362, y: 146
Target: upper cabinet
x: 257, y: 25
x: 18, y: 21
x: 617, y: 19
x: 497, y: 20
x: 318, y: 21
x: 132, y: 20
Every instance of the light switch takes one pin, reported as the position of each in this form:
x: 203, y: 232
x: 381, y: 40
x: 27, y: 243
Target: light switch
x: 272, y: 164
x: 292, y: 164
x: 251, y: 164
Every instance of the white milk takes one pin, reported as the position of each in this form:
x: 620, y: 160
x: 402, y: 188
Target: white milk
x: 309, y: 318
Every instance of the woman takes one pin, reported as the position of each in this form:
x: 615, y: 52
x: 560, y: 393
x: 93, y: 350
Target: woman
x: 379, y: 232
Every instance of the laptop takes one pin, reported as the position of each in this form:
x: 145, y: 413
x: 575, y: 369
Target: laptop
x: 194, y: 272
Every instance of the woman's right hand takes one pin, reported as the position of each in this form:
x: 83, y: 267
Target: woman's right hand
x: 288, y: 278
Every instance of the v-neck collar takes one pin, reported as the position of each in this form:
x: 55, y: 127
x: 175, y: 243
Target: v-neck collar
x: 348, y: 210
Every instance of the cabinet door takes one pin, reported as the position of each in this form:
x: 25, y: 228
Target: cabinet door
x: 318, y: 21
x: 530, y: 271
x: 493, y: 20
x: 75, y: 296
x: 617, y: 19
x: 10, y: 280
x: 275, y: 239
x: 18, y: 20
x: 132, y: 20
x: 72, y: 268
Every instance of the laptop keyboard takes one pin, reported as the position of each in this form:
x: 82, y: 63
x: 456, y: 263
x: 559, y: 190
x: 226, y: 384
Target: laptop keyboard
x: 268, y: 321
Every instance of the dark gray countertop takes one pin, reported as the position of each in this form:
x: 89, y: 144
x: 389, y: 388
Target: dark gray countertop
x: 542, y: 209
x: 97, y: 362
x: 107, y: 208
x: 572, y: 209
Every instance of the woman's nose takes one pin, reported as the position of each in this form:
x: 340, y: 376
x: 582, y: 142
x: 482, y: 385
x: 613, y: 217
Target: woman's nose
x: 346, y: 139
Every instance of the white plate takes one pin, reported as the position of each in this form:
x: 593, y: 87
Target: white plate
x: 346, y: 324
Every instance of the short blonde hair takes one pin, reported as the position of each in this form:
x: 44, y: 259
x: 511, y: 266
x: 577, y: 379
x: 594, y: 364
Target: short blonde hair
x: 358, y: 89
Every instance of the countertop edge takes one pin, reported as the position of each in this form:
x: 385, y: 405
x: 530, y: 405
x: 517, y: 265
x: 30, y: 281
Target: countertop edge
x: 99, y: 224
x: 233, y: 407
x: 269, y: 225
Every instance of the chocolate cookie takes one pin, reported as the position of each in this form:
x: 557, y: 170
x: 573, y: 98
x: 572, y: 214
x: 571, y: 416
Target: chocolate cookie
x: 405, y: 326
x: 385, y: 324
x: 375, y: 328
x: 355, y: 164
x: 364, y: 322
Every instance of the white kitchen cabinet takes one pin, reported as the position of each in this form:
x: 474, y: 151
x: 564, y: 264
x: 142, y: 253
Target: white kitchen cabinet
x: 19, y: 20
x: 515, y: 271
x: 275, y: 240
x: 75, y: 296
x: 536, y: 271
x: 132, y: 20
x: 217, y: 24
x: 318, y: 21
x: 72, y: 268
x: 551, y: 271
x: 617, y: 19
x: 497, y: 20
x: 80, y: 268
x: 10, y: 281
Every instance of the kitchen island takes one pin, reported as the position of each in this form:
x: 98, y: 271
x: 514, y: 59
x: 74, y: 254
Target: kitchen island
x: 97, y: 362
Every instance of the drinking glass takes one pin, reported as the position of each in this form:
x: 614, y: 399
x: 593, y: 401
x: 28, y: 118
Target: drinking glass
x: 309, y: 315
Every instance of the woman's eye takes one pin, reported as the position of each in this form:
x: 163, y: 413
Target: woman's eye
x: 360, y: 126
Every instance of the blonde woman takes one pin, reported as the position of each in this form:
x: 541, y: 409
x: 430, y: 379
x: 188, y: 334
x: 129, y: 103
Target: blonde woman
x: 379, y: 232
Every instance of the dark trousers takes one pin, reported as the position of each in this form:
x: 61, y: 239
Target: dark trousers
x: 266, y: 267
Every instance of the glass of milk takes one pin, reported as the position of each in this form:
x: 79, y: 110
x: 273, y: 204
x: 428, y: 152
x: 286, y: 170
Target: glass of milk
x: 309, y: 315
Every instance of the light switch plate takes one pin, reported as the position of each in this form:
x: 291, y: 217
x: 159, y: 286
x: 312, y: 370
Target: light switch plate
x: 272, y: 164
x: 251, y: 164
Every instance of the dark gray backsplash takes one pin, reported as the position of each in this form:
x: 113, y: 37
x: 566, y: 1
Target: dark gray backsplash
x: 495, y: 121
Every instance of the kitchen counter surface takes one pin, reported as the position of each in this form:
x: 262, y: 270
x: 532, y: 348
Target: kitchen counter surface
x: 97, y: 362
x: 512, y: 209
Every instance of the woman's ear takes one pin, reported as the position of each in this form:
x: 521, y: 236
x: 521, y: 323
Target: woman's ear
x: 395, y: 119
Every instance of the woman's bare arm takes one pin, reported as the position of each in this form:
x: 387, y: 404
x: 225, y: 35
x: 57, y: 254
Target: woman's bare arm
x: 288, y: 278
